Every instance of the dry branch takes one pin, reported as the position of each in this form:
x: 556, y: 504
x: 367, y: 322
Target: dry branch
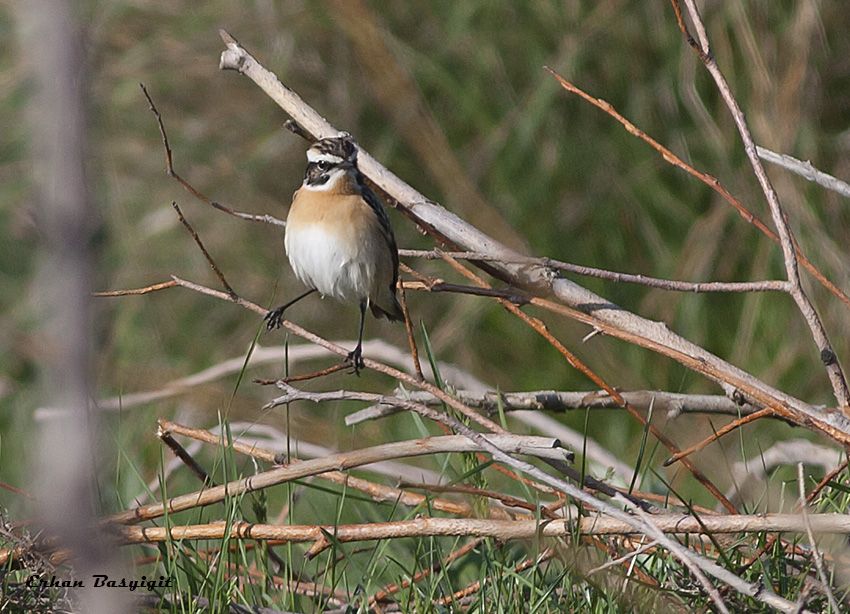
x: 577, y: 302
x: 498, y: 529
x: 378, y: 492
x: 805, y: 169
x: 587, y: 271
x: 337, y: 462
x: 786, y: 238
x: 675, y: 404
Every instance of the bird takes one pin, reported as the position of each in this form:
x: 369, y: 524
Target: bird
x: 339, y: 240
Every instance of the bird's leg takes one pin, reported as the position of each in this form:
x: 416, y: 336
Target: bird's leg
x: 355, y: 357
x: 275, y: 316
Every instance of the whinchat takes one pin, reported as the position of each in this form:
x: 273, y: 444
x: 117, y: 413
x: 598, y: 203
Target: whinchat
x: 339, y: 240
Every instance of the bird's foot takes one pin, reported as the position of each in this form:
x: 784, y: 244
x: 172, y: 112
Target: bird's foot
x: 274, y: 318
x: 355, y: 359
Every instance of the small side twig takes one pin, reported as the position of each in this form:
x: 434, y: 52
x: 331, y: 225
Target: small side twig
x: 188, y: 460
x: 169, y: 169
x: 506, y: 500
x: 826, y: 480
x: 203, y: 249
x: 164, y: 285
x: 305, y: 376
x: 728, y: 428
x: 391, y: 589
x: 411, y: 337
x: 587, y: 271
x: 805, y: 169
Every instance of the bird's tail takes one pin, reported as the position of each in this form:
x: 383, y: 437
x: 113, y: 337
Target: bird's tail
x: 389, y: 309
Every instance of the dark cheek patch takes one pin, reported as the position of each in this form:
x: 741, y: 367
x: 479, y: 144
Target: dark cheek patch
x: 315, y: 176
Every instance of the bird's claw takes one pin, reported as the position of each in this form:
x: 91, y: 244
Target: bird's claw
x: 355, y: 359
x: 274, y: 318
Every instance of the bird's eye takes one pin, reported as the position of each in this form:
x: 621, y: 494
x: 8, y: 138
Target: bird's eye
x: 323, y: 165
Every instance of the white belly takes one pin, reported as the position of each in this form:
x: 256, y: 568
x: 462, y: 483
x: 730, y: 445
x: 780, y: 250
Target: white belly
x: 332, y: 266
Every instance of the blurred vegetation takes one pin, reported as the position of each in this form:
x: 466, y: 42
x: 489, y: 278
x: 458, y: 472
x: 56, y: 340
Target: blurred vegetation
x: 453, y: 98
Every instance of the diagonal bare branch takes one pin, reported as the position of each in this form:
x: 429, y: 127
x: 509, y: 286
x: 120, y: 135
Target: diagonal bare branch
x: 786, y: 238
x: 575, y: 301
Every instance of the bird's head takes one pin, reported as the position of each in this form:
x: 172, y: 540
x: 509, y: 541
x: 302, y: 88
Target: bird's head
x: 328, y: 160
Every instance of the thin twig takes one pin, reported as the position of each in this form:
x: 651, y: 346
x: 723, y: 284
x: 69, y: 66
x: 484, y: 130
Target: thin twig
x: 136, y: 291
x: 786, y: 238
x: 622, y: 559
x: 391, y: 589
x: 728, y: 428
x: 474, y: 587
x: 826, y: 480
x: 805, y: 169
x: 411, y: 337
x: 169, y: 169
x: 709, y: 180
x: 203, y: 249
x: 643, y: 280
x: 562, y: 401
x: 188, y: 460
x: 827, y: 589
x: 506, y: 500
x: 305, y: 376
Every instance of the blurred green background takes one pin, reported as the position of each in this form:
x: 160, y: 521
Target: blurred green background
x: 451, y: 96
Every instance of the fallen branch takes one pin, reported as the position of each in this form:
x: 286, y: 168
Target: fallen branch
x: 378, y: 492
x: 336, y: 462
x: 497, y: 529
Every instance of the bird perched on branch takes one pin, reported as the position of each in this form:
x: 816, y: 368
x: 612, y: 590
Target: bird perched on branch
x: 339, y: 240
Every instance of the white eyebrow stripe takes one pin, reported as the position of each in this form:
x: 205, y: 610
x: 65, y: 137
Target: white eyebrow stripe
x: 317, y: 156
